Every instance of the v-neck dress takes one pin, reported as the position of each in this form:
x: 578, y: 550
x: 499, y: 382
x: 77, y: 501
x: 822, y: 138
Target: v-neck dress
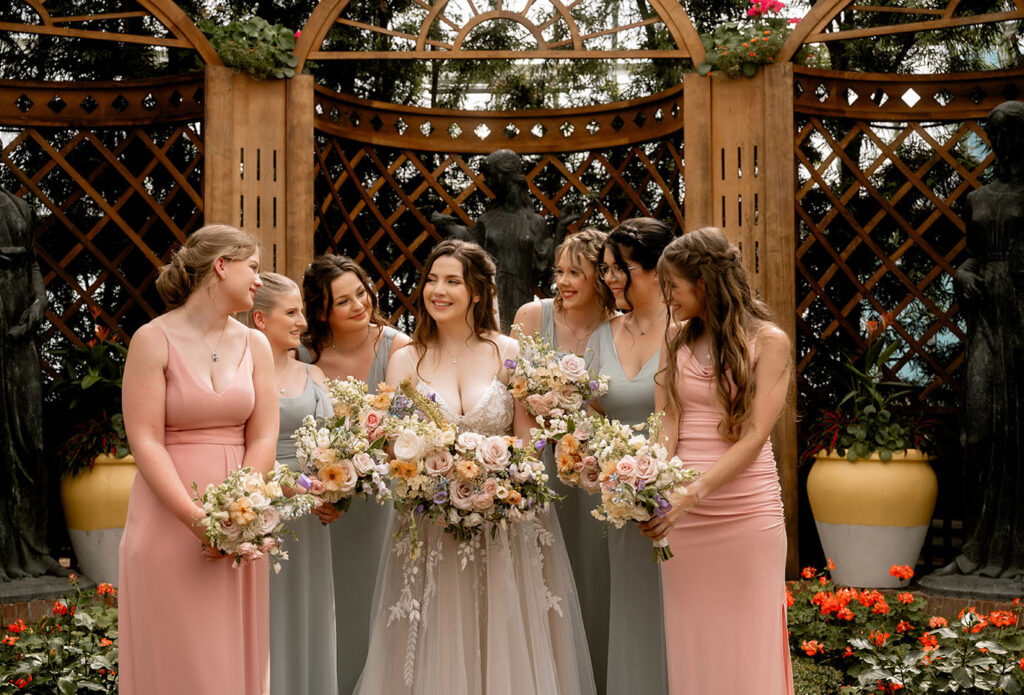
x: 585, y: 539
x: 188, y: 624
x: 636, y: 642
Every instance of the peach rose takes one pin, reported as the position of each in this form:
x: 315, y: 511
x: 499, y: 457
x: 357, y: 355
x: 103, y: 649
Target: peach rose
x: 490, y: 487
x: 349, y: 476
x: 438, y: 462
x: 372, y: 421
x: 270, y: 519
x: 461, y: 495
x: 541, y: 404
x: 626, y: 469
x: 589, y: 480
x: 241, y: 511
x: 573, y: 366
x: 363, y: 462
x: 482, y: 501
x: 646, y: 468
x: 493, y: 453
x: 324, y: 456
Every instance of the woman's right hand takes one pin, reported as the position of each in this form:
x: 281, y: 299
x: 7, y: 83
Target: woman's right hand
x: 209, y: 552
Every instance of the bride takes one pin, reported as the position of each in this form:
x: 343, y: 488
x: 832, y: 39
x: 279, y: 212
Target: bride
x: 502, y: 618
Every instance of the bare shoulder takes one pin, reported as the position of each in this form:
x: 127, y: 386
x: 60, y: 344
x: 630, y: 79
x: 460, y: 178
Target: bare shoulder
x: 317, y: 375
x: 149, y: 343
x: 402, y: 364
x: 529, y: 316
x: 505, y: 344
x: 398, y: 342
x: 259, y: 344
x: 771, y: 337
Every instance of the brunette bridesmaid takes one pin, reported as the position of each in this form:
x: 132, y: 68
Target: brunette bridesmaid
x: 348, y: 336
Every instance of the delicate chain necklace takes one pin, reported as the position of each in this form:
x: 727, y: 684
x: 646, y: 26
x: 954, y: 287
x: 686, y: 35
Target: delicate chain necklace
x: 345, y: 351
x: 281, y: 389
x: 643, y: 331
x: 590, y: 330
x: 214, y: 355
x: 455, y: 358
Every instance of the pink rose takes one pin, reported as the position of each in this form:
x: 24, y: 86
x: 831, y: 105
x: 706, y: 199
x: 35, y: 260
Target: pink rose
x: 377, y: 434
x: 573, y: 366
x: 270, y: 520
x: 363, y: 462
x: 626, y: 469
x: 316, y: 487
x: 537, y: 404
x: 438, y: 462
x: 494, y: 454
x: 269, y: 543
x: 646, y: 468
x: 490, y: 487
x: 461, y: 495
x: 468, y: 441
x: 232, y: 532
x: 483, y: 501
x: 591, y: 462
x: 569, y: 400
x: 372, y: 421
x: 351, y: 478
x: 589, y: 480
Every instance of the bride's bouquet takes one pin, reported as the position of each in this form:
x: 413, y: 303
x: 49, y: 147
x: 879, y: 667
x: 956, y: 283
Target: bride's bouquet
x: 343, y: 455
x: 636, y: 478
x: 246, y: 513
x: 465, y: 481
x: 551, y: 384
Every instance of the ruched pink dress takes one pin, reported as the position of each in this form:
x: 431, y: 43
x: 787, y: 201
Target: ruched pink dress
x: 724, y: 591
x: 187, y: 624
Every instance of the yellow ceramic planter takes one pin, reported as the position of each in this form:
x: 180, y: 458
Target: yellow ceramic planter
x: 872, y: 514
x: 95, y: 508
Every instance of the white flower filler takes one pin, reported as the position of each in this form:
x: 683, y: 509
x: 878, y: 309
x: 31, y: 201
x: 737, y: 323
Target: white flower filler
x: 246, y: 513
x: 342, y: 456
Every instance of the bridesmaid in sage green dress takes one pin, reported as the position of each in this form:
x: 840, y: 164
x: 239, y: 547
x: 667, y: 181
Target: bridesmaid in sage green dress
x: 626, y: 349
x: 348, y: 336
x: 302, y: 631
x: 567, y: 321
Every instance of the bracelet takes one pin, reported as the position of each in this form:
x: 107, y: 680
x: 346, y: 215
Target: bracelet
x: 698, y: 490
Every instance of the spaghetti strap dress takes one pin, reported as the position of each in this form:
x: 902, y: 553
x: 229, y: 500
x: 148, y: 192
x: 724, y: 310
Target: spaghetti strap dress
x: 188, y: 624
x: 303, y: 655
x: 358, y: 541
x: 585, y: 540
x: 731, y: 545
x: 636, y: 646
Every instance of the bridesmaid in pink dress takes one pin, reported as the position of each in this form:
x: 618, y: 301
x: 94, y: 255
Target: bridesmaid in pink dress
x: 723, y: 386
x: 199, y: 400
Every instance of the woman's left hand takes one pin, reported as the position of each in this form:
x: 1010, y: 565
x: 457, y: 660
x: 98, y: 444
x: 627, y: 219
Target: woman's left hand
x: 659, y: 527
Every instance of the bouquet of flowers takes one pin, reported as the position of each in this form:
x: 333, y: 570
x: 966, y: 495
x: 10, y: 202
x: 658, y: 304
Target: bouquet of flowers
x: 343, y: 455
x: 465, y: 481
x: 636, y: 475
x: 551, y: 384
x: 245, y: 513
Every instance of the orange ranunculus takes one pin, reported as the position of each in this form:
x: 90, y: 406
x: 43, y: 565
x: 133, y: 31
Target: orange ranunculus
x: 513, y: 497
x: 403, y: 469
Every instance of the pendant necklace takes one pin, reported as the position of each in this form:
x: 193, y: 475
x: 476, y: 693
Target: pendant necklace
x: 455, y: 358
x: 643, y: 331
x: 346, y: 351
x: 575, y: 337
x: 214, y: 355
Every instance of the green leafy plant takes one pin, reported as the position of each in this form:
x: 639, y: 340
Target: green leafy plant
x: 73, y: 649
x: 252, y: 44
x: 85, y: 403
x: 867, y: 419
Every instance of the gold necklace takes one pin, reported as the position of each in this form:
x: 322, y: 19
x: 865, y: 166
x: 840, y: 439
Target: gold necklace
x: 576, y: 345
x: 455, y: 358
x: 214, y: 355
x: 348, y: 351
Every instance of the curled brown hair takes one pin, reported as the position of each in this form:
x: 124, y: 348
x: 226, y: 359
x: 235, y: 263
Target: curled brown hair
x: 585, y: 245
x: 191, y: 264
x: 644, y: 238
x: 478, y: 272
x: 319, y: 299
x: 732, y: 315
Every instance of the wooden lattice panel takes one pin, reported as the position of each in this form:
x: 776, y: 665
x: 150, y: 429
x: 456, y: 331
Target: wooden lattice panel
x: 374, y: 203
x: 111, y: 204
x: 879, y: 235
x: 908, y: 98
x: 549, y: 130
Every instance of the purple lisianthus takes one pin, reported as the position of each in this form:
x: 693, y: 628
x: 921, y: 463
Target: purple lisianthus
x: 663, y: 506
x: 419, y: 509
x: 304, y: 482
x: 441, y: 497
x: 540, y: 444
x: 641, y: 485
x: 595, y: 385
x: 510, y: 364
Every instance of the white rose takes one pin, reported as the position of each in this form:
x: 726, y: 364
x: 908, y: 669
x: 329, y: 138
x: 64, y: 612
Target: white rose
x: 468, y: 441
x: 259, y: 500
x: 493, y: 452
x: 573, y: 366
x: 271, y: 518
x: 351, y: 478
x: 570, y: 400
x: 472, y: 520
x: 273, y: 489
x: 409, y: 446
x: 363, y: 462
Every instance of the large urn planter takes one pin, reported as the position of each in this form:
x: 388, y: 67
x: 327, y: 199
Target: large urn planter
x: 95, y: 508
x: 872, y: 514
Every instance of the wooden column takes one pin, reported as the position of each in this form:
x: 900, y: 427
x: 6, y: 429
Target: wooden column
x: 740, y: 176
x: 258, y: 156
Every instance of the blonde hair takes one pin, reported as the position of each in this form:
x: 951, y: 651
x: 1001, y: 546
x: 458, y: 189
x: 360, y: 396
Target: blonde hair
x: 732, y: 315
x: 274, y: 287
x: 191, y: 264
x: 585, y: 245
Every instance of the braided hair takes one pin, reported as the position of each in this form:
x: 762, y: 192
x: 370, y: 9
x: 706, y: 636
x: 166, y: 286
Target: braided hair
x: 732, y: 315
x: 644, y: 238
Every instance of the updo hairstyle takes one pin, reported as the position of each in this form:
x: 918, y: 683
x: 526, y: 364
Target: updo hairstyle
x: 191, y: 264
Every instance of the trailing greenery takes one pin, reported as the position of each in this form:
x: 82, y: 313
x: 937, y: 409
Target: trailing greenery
x: 254, y: 45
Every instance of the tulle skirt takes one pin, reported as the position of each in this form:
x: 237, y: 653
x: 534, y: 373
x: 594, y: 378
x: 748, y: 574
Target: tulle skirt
x: 496, y: 616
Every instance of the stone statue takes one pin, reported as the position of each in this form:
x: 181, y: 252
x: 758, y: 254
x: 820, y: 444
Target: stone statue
x: 24, y: 503
x: 990, y: 286
x: 512, y: 232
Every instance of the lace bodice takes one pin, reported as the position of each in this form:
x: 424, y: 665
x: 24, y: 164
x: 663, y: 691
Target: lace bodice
x: 492, y: 414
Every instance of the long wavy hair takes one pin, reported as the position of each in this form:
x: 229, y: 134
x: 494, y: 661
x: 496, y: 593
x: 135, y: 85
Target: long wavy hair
x: 585, y: 247
x: 644, y: 237
x: 319, y: 299
x: 478, y: 272
x: 732, y: 315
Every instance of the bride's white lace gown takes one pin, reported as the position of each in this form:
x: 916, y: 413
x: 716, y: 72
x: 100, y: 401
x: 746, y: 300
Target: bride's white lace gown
x: 499, y: 617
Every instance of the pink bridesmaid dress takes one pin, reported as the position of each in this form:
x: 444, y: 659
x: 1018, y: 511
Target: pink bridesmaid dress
x: 187, y: 624
x: 724, y: 591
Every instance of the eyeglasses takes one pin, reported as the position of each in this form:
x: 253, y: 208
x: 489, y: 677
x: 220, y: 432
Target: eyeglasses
x: 604, y: 270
